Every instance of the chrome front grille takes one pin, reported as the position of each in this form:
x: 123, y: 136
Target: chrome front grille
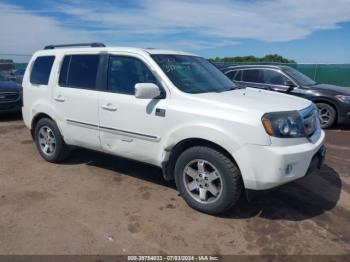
x: 310, y: 120
x: 8, y: 96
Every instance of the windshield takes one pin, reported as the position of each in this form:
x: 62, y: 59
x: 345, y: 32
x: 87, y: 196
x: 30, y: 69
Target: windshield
x: 192, y: 74
x: 19, y: 72
x: 2, y: 77
x: 299, y: 77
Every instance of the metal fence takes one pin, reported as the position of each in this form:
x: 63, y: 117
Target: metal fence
x: 336, y: 74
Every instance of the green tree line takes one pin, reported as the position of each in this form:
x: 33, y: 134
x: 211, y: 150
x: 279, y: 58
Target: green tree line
x: 6, y: 61
x: 271, y: 58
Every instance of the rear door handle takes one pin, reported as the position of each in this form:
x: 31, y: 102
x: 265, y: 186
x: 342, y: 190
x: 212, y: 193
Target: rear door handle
x: 59, y: 98
x: 109, y: 107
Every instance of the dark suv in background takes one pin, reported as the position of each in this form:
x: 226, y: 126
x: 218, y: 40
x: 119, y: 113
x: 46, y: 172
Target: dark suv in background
x: 332, y: 101
x: 10, y: 95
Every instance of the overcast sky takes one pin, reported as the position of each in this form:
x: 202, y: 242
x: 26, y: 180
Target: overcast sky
x: 314, y: 31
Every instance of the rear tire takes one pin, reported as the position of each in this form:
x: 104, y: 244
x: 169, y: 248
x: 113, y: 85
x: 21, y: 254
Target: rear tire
x: 49, y: 141
x: 208, y: 180
x: 327, y: 115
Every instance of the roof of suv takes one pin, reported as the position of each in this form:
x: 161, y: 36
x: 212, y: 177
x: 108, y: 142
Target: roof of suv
x: 235, y: 67
x: 152, y: 51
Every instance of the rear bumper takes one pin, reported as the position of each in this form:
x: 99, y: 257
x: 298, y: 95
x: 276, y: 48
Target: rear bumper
x: 265, y: 167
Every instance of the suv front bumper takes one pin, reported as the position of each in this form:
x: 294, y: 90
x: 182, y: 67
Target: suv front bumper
x: 265, y: 167
x: 8, y: 107
x: 10, y: 101
x: 344, y: 113
x: 317, y: 160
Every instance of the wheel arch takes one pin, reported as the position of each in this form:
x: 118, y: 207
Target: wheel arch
x: 36, y: 119
x: 168, y: 166
x: 326, y: 101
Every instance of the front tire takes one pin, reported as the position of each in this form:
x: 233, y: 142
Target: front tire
x: 327, y: 115
x: 208, y: 180
x: 49, y: 141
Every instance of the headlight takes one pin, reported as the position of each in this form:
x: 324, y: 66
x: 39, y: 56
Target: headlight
x: 283, y: 124
x: 344, y: 99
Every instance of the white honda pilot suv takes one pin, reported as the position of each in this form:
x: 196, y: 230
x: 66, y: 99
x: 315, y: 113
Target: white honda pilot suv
x: 173, y: 110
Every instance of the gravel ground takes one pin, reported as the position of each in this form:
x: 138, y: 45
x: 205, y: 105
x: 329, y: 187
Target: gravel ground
x: 99, y: 204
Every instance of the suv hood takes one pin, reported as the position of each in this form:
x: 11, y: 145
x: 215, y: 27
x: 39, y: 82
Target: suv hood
x: 255, y: 100
x: 333, y: 89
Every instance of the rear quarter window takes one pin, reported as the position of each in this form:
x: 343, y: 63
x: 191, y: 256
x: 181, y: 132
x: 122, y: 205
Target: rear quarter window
x: 41, y: 70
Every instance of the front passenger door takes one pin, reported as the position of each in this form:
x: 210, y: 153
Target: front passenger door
x: 236, y: 77
x: 129, y: 126
x: 276, y: 81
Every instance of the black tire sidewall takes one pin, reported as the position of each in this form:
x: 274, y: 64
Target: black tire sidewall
x: 231, y: 182
x: 59, y: 141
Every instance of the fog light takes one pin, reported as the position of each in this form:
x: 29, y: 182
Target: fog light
x: 289, y: 169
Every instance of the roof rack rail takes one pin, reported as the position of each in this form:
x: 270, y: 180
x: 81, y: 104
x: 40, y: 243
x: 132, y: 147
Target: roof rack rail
x: 76, y: 45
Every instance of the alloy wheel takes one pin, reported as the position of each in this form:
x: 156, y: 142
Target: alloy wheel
x: 47, y: 140
x: 202, y: 181
x: 325, y: 114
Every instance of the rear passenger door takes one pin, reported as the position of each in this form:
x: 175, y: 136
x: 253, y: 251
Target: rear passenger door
x: 253, y: 78
x: 75, y: 99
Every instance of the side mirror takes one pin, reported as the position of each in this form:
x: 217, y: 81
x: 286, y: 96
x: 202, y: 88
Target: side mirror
x: 147, y: 91
x: 290, y: 85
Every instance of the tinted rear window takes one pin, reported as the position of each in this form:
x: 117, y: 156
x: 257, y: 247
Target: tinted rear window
x: 41, y: 70
x: 231, y: 74
x: 238, y: 76
x: 79, y: 71
x: 253, y: 76
x: 64, y: 71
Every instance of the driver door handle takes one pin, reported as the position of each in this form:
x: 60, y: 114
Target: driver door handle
x: 109, y: 107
